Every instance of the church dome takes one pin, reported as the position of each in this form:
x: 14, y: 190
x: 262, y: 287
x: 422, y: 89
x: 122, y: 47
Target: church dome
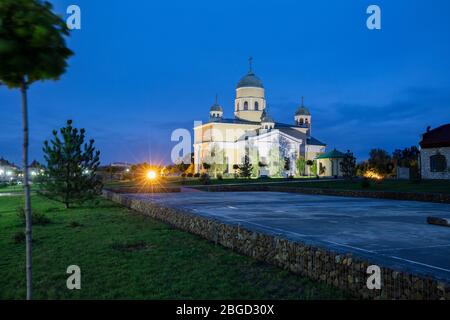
x: 216, y: 107
x: 302, y: 111
x: 250, y: 80
x: 266, y: 118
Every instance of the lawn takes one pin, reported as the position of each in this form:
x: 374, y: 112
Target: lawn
x: 16, y: 188
x: 427, y: 186
x: 124, y: 255
x: 13, y: 189
x: 178, y: 181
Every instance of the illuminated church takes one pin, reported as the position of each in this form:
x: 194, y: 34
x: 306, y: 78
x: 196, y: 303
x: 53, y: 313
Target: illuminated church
x: 222, y: 143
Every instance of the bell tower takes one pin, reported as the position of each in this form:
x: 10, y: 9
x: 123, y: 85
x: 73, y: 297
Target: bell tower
x: 250, y: 102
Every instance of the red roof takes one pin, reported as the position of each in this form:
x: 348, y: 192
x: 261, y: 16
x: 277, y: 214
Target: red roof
x: 436, y: 138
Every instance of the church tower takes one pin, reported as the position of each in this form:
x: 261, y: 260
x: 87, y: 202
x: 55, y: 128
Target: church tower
x: 250, y: 102
x: 303, y: 117
x: 216, y: 112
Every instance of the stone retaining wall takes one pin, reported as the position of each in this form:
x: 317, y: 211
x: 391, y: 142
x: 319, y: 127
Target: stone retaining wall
x: 410, y: 196
x: 340, y: 270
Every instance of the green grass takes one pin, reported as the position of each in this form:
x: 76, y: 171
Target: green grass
x: 15, y: 189
x: 124, y: 255
x: 426, y: 186
x: 176, y: 181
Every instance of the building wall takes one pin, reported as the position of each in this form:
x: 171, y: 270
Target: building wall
x: 329, y: 164
x: 249, y: 95
x: 221, y: 137
x: 425, y: 155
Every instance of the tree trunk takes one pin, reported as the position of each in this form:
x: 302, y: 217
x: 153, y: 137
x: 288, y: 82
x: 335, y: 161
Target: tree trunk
x: 26, y: 186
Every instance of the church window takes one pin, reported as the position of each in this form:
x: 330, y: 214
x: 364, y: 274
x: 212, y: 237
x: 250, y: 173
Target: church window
x: 438, y: 163
x: 245, y: 105
x: 256, y: 106
x: 300, y: 122
x: 306, y: 121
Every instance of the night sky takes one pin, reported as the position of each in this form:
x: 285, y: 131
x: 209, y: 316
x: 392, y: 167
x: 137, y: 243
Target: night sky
x: 144, y: 68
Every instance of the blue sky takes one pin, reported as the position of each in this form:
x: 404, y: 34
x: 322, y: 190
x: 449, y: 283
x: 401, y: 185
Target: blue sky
x: 144, y: 68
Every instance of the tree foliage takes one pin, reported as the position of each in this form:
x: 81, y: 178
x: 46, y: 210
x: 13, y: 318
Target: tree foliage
x: 348, y: 165
x: 32, y: 43
x: 245, y: 170
x: 380, y: 161
x: 71, y: 167
x: 407, y: 157
x: 287, y: 164
x: 301, y: 165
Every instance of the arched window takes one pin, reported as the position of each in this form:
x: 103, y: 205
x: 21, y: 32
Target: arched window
x: 256, y: 106
x: 300, y: 122
x: 245, y: 105
x: 438, y: 163
x: 237, y: 106
x: 306, y: 121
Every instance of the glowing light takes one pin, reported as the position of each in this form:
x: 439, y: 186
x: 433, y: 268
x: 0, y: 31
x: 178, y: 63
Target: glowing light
x: 2, y: 172
x: 151, y: 175
x: 373, y: 175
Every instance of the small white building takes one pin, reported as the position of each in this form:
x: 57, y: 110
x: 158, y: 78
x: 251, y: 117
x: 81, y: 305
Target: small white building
x: 435, y: 153
x: 329, y: 164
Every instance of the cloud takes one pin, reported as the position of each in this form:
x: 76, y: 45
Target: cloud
x: 360, y: 127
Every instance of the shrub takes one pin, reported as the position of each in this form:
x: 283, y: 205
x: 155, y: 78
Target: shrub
x: 365, y: 183
x: 37, y: 218
x: 291, y: 177
x: 219, y: 176
x: 190, y: 175
x: 183, y: 175
x: 19, y: 237
x: 197, y: 175
x: 204, y: 178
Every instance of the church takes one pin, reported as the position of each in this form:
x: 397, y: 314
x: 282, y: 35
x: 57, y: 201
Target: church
x: 274, y: 149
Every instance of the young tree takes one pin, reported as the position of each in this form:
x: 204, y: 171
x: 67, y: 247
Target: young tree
x: 32, y: 48
x: 71, y: 167
x: 310, y: 164
x: 245, y: 170
x: 287, y: 164
x: 206, y: 166
x: 301, y: 165
x: 235, y: 168
x: 348, y: 165
x: 314, y: 168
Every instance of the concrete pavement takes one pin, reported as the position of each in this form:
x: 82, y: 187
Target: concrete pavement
x: 388, y: 232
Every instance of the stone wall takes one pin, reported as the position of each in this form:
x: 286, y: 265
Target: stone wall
x: 411, y: 196
x: 340, y: 270
x: 425, y: 155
